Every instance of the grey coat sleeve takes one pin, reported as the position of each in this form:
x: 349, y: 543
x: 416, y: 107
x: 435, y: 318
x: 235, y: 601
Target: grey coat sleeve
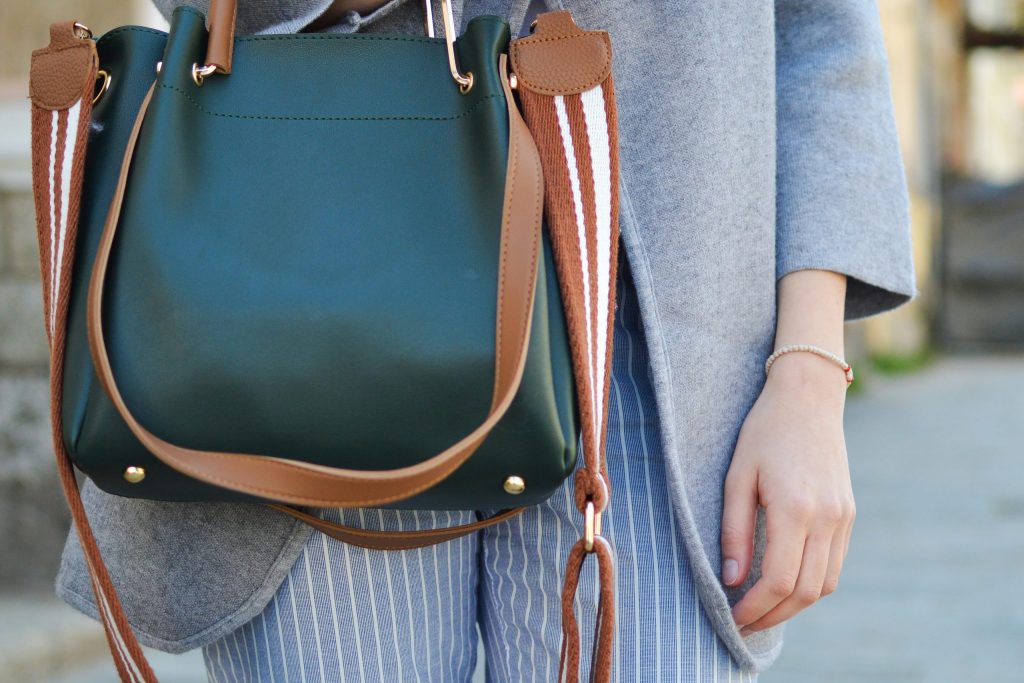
x: 842, y: 201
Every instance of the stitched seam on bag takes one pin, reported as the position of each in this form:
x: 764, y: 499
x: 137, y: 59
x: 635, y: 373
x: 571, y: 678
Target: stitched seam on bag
x: 526, y: 42
x: 130, y: 29
x: 340, y: 36
x: 268, y: 117
x: 504, y: 258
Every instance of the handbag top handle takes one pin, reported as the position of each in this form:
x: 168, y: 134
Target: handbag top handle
x: 221, y: 25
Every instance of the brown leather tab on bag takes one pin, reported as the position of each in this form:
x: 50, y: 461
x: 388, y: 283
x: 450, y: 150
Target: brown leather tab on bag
x: 63, y: 70
x: 559, y: 58
x: 220, y: 22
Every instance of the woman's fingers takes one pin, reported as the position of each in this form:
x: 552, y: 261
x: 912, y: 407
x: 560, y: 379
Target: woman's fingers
x: 787, y: 534
x: 818, y: 552
x: 821, y: 562
x: 836, y: 558
x: 835, y: 563
x: 738, y: 518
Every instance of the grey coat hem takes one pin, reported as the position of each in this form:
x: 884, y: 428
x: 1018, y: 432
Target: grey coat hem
x: 245, y: 612
x: 758, y: 651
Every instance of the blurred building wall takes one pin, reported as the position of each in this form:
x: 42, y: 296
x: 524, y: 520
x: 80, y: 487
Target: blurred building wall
x: 912, y: 29
x: 33, y: 517
x: 958, y: 86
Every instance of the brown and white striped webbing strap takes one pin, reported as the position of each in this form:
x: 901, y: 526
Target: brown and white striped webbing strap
x: 565, y: 85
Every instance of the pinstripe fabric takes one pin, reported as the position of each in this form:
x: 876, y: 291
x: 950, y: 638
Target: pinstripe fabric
x: 348, y: 614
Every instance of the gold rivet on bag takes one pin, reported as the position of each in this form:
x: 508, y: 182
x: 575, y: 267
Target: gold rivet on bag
x: 515, y: 485
x: 133, y: 475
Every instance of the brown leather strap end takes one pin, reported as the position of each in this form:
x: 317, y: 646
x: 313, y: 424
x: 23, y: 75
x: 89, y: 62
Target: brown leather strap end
x: 559, y: 58
x: 220, y: 22
x: 63, y: 70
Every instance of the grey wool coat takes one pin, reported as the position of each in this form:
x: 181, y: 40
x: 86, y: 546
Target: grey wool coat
x: 757, y: 138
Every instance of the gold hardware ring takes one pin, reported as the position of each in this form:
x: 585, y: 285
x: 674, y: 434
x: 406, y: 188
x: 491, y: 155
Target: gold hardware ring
x: 82, y: 31
x: 104, y: 86
x: 591, y: 526
x: 465, y: 81
x: 201, y: 72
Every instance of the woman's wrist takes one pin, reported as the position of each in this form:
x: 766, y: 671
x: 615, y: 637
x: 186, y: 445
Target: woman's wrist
x: 809, y: 375
x: 810, y: 311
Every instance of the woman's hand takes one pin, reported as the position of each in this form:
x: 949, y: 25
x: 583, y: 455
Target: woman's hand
x: 791, y: 459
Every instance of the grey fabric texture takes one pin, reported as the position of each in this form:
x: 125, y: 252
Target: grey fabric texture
x: 756, y: 139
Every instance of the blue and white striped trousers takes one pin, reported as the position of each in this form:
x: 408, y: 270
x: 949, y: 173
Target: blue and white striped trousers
x: 349, y: 614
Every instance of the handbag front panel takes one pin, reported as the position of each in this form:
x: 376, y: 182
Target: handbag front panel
x: 306, y: 266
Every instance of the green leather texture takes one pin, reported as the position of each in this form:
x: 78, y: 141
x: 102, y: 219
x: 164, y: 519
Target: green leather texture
x: 306, y: 265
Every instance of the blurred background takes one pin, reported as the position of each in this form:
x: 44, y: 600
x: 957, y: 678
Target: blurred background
x: 934, y: 423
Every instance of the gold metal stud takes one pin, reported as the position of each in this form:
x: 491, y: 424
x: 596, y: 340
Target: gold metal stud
x: 133, y: 475
x: 514, y: 485
x: 513, y: 81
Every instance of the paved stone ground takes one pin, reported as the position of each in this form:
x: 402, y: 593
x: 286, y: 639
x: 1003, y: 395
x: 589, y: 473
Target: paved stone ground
x: 928, y: 594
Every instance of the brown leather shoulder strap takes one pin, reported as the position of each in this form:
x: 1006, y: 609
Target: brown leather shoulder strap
x: 300, y: 483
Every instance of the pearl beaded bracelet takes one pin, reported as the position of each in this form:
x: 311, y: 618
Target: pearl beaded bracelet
x: 813, y: 349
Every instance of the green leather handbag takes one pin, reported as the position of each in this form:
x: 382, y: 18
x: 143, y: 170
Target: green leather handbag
x: 314, y: 270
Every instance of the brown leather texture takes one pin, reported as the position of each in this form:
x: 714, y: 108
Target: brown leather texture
x: 559, y: 58
x: 299, y: 483
x: 63, y: 70
x: 604, y: 628
x: 220, y: 23
x: 395, y: 540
